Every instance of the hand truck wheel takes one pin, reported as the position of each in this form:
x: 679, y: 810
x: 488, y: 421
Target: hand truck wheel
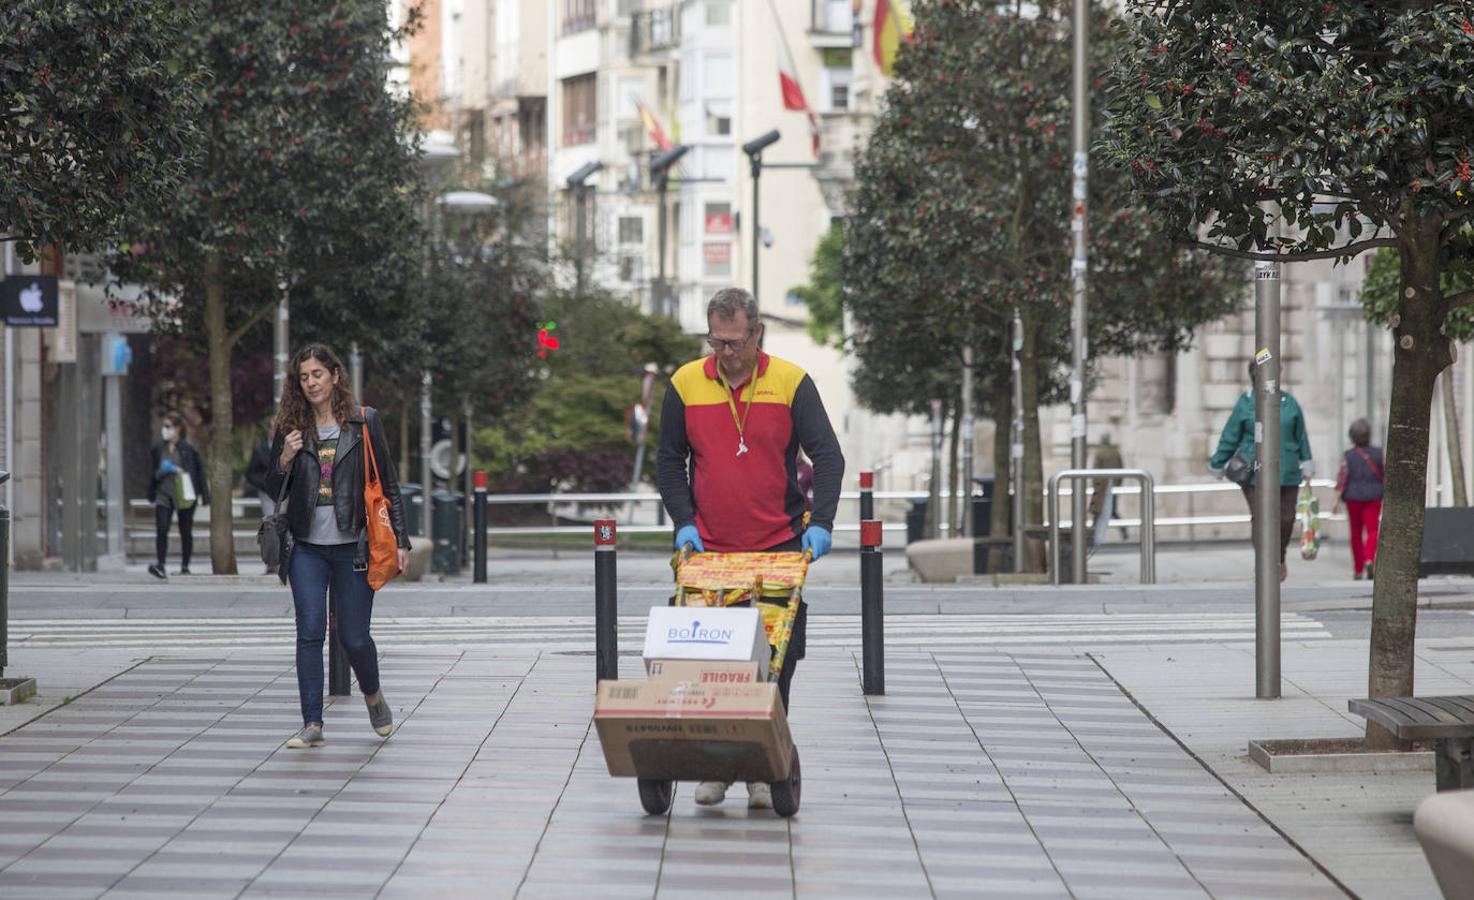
x: 656, y: 795
x: 786, y: 793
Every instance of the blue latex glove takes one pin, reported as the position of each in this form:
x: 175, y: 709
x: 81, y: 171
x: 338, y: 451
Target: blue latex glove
x: 818, y: 540
x: 168, y: 467
x: 689, y: 535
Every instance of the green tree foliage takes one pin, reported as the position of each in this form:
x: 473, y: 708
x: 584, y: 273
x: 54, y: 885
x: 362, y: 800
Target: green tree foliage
x: 960, y: 216
x: 306, y: 181
x: 1352, y: 119
x: 824, y: 293
x: 100, y: 116
x: 573, y: 435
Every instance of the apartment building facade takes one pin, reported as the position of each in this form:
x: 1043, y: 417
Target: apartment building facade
x: 626, y: 77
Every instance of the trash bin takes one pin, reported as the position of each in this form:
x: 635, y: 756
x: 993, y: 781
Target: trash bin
x: 449, y: 521
x: 982, y: 523
x: 916, y: 521
x: 410, y: 494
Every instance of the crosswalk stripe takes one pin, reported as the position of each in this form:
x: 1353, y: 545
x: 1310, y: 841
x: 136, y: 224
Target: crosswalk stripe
x: 555, y: 634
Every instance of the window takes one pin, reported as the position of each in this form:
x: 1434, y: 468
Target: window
x: 631, y: 268
x: 578, y: 15
x: 631, y: 230
x: 717, y: 259
x: 719, y: 13
x: 718, y: 218
x: 838, y: 16
x: 835, y: 81
x: 580, y: 109
x: 718, y: 120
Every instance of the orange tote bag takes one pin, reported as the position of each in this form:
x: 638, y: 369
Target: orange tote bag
x: 383, y: 546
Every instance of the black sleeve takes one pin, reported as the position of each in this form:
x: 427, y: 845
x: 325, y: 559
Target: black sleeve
x: 672, y: 472
x: 816, y: 437
x: 274, y: 478
x: 388, y: 475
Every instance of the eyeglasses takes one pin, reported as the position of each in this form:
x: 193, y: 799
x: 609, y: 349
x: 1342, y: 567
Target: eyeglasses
x: 735, y: 346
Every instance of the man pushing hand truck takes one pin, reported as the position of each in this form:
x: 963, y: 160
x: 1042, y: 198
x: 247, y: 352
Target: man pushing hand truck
x: 731, y: 429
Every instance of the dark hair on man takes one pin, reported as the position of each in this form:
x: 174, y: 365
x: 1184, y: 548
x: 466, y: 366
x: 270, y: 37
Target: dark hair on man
x: 1360, y: 432
x: 726, y: 303
x: 176, y: 420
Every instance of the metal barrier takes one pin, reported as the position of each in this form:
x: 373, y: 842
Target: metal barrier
x: 1148, y: 523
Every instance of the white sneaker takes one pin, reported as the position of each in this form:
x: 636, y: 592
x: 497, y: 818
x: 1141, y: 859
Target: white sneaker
x: 710, y: 793
x: 759, y: 795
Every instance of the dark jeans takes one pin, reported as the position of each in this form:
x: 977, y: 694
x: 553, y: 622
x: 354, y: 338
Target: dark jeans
x: 163, y: 517
x: 314, y: 568
x: 1289, y: 495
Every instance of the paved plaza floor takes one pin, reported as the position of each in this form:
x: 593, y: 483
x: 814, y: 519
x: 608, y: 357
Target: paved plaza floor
x: 978, y: 774
x: 1031, y: 743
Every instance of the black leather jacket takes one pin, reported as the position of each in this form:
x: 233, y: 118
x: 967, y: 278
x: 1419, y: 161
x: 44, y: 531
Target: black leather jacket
x: 304, y: 473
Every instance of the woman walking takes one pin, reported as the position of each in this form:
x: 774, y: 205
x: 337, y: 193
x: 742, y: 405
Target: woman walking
x: 178, y: 484
x: 1237, y: 440
x: 319, y: 453
x: 1359, y: 484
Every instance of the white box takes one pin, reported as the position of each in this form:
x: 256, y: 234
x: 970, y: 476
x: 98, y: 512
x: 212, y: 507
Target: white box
x: 733, y: 634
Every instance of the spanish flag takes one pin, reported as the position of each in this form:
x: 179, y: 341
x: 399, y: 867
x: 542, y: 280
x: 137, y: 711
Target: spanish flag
x: 893, y: 24
x: 652, y: 127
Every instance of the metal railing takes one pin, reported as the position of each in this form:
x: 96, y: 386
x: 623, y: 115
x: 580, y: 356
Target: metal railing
x: 1148, y: 523
x: 246, y: 510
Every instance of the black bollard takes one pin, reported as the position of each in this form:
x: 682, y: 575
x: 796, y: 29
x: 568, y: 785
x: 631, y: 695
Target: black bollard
x: 478, y: 570
x: 606, y: 604
x: 867, y: 496
x: 338, y: 668
x: 872, y: 608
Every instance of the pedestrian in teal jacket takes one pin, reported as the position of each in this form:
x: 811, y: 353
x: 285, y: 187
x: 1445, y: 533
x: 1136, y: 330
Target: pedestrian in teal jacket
x: 1295, y: 462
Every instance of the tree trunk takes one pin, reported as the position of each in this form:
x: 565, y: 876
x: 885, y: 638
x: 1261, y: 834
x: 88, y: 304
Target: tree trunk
x: 1033, y: 460
x: 1001, y: 523
x: 1455, y: 440
x: 952, y: 469
x: 1421, y: 353
x: 222, y: 418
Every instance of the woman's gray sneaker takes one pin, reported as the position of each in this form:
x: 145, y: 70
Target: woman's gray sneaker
x: 380, y: 716
x: 309, y: 736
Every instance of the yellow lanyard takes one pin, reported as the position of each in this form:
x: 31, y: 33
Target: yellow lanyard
x: 732, y: 405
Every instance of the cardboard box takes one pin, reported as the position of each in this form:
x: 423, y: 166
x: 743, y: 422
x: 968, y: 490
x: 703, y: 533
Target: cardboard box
x: 708, y: 671
x: 682, y: 729
x: 710, y: 633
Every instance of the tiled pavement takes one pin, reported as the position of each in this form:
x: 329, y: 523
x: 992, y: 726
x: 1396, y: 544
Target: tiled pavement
x: 979, y: 774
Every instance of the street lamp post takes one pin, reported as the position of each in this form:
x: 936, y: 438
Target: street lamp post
x: 450, y: 202
x: 660, y: 171
x: 754, y: 150
x: 1079, y: 268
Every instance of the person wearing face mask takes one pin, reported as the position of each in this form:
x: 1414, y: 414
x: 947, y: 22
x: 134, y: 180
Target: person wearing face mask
x: 177, y: 486
x: 731, y: 428
x: 320, y: 458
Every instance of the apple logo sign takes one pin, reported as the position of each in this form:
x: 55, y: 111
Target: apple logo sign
x: 30, y: 298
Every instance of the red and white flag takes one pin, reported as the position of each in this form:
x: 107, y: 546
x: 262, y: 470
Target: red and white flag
x: 793, y: 94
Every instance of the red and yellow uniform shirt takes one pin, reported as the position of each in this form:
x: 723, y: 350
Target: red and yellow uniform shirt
x: 748, y: 500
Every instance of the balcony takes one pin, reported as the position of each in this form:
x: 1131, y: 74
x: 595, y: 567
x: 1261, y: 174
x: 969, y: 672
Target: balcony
x: 654, y: 30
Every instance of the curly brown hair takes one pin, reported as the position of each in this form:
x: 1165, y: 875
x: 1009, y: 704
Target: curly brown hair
x: 296, y: 412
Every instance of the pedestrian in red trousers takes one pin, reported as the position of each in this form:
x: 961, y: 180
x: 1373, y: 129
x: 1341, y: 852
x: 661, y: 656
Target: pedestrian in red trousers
x: 1359, y: 484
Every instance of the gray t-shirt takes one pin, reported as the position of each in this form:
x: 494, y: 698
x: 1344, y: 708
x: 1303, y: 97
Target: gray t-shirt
x: 324, y: 515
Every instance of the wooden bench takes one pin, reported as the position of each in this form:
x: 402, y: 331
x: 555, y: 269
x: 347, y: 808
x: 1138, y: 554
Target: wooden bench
x: 1447, y: 721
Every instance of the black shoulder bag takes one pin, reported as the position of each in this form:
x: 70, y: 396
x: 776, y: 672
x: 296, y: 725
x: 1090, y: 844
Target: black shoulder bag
x: 1238, y: 469
x: 274, y: 537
